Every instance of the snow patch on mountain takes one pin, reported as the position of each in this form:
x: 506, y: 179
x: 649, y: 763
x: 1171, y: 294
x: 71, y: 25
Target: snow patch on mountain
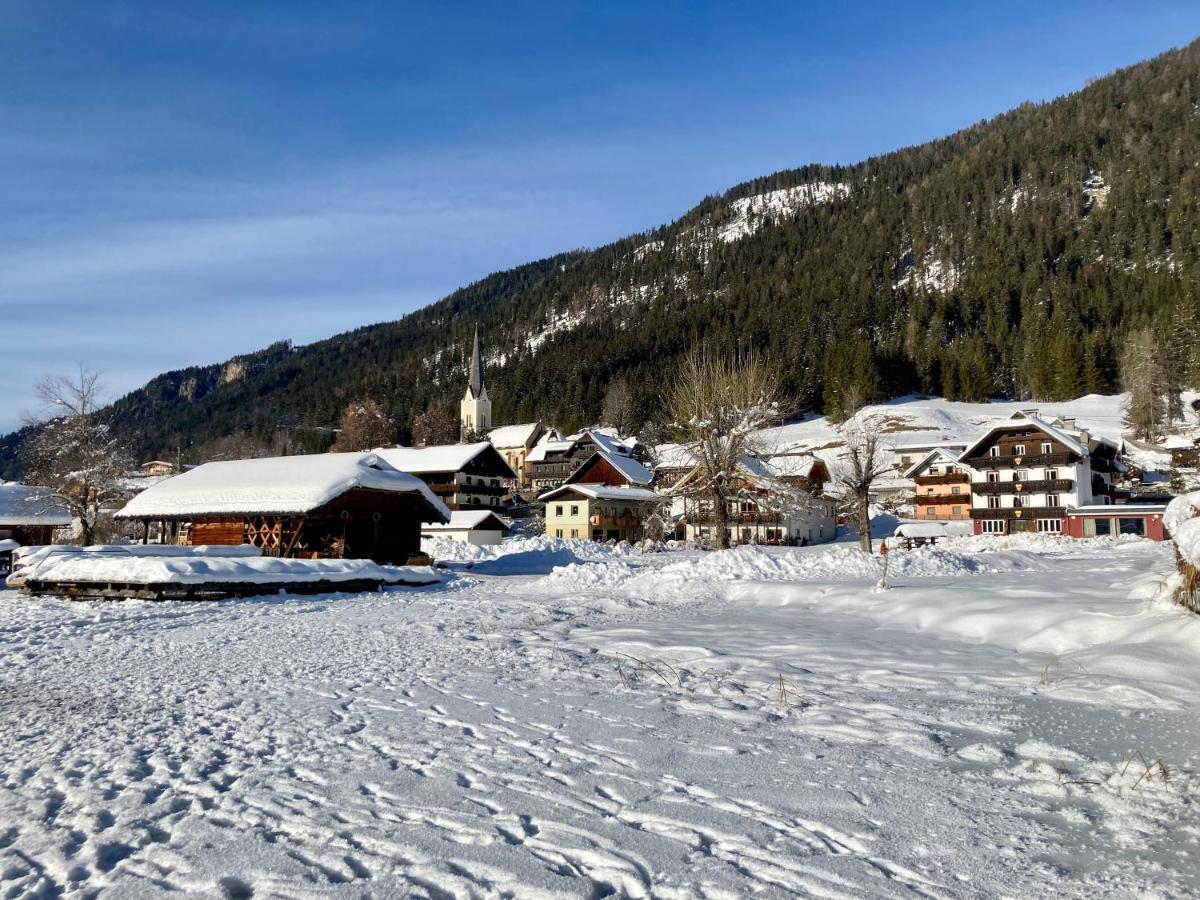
x: 749, y: 214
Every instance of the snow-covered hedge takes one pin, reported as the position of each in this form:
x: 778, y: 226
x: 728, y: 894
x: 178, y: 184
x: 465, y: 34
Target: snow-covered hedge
x: 1182, y: 520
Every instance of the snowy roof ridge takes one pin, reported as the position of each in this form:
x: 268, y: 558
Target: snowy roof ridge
x: 466, y: 519
x: 507, y: 436
x: 631, y: 470
x: 437, y: 458
x: 925, y: 460
x: 603, y: 492
x: 1020, y: 419
x: 281, y: 485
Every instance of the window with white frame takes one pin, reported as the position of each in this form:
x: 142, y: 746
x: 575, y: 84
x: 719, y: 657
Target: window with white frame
x: 993, y: 502
x: 1052, y: 474
x: 993, y: 451
x: 1047, y: 448
x: 1019, y: 450
x: 1053, y: 500
x: 993, y: 476
x: 992, y: 526
x: 1050, y: 526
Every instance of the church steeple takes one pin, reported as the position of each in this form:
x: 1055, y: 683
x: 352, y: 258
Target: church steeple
x: 475, y: 380
x: 475, y: 410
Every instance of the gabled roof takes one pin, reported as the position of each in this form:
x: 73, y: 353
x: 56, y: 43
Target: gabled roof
x: 507, y: 436
x: 674, y: 456
x: 29, y: 505
x: 794, y: 465
x: 286, y: 485
x: 941, y: 454
x: 629, y: 468
x: 469, y: 519
x: 603, y: 492
x: 755, y: 470
x: 441, y: 458
x: 1026, y: 420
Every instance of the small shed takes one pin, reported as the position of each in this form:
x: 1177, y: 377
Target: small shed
x: 471, y: 526
x: 918, y: 534
x: 29, y: 514
x: 1142, y: 519
x: 327, y: 505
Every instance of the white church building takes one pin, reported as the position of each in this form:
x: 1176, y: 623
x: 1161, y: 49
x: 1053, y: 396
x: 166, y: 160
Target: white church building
x: 475, y: 410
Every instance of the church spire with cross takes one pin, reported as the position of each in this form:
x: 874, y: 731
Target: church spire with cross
x: 475, y: 410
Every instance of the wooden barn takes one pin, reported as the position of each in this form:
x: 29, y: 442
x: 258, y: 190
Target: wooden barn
x: 324, y: 506
x: 30, y: 514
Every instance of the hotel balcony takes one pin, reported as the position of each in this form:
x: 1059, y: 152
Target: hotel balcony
x: 1014, y: 462
x: 1021, y: 512
x: 1042, y: 486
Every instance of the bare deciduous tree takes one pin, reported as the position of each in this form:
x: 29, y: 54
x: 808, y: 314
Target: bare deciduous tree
x: 865, y: 459
x: 437, y: 425
x: 721, y: 405
x: 73, y: 453
x: 620, y: 409
x: 364, y: 426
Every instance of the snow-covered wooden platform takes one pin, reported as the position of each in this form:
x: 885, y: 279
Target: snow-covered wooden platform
x: 128, y: 573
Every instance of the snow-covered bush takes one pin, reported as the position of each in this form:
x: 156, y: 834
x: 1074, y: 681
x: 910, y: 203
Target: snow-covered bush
x: 1182, y: 520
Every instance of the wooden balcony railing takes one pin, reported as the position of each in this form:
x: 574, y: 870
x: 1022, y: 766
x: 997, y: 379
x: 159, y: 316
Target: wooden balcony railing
x: 1010, y: 462
x: 616, y: 522
x: 1023, y: 512
x: 941, y: 499
x: 954, y: 478
x: 1040, y: 486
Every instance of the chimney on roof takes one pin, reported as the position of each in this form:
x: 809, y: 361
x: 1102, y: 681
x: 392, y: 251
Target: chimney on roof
x: 1068, y: 423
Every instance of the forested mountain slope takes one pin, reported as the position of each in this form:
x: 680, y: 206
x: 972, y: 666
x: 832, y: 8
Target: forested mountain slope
x: 1009, y: 258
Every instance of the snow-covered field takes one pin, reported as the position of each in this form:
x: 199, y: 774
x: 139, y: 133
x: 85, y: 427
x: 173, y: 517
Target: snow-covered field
x: 582, y: 722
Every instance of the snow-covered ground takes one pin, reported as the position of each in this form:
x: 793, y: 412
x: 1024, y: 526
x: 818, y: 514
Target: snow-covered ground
x: 672, y: 724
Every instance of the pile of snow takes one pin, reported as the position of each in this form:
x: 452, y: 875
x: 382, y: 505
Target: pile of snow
x: 523, y: 555
x: 1182, y: 520
x: 112, y: 568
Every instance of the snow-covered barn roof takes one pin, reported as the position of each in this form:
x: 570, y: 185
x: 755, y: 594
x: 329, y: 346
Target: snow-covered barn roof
x: 630, y: 469
x: 28, y: 505
x: 507, y: 436
x: 792, y: 465
x: 602, y: 492
x: 469, y: 520
x: 1025, y: 420
x: 286, y: 485
x: 674, y: 456
x: 440, y: 458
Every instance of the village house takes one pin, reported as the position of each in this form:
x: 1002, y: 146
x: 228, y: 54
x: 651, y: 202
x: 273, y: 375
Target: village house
x: 480, y: 527
x: 463, y: 476
x: 157, y: 468
x: 778, y: 501
x: 1184, y: 450
x: 1027, y: 473
x: 942, y: 486
x: 327, y: 505
x: 608, y: 497
x: 514, y: 442
x: 30, y: 515
x: 905, y: 456
x: 554, y: 458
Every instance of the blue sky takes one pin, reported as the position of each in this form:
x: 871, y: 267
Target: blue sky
x: 183, y: 182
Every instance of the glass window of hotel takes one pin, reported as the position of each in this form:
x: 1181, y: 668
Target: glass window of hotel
x: 993, y: 502
x: 1019, y: 450
x: 1131, y: 526
x: 1018, y: 475
x: 1052, y: 474
x: 993, y: 475
x: 558, y: 532
x: 956, y: 490
x: 1053, y: 500
x: 574, y: 532
x: 1018, y: 502
x: 1047, y: 448
x: 558, y: 512
x: 994, y: 450
x: 993, y: 526
x: 574, y: 510
x: 956, y: 510
x: 1052, y: 526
